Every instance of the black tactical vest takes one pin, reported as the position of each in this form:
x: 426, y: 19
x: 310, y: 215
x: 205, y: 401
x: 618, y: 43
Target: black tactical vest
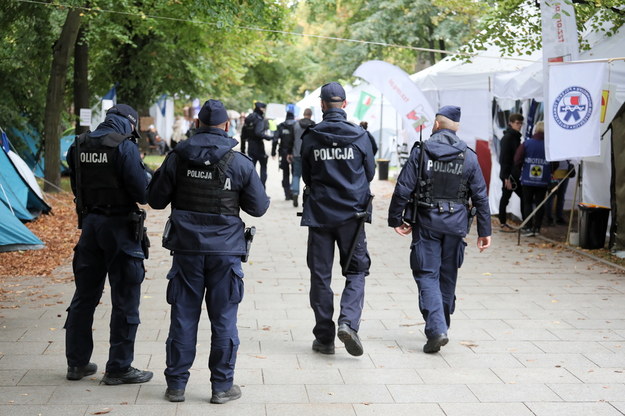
x: 444, y: 182
x: 102, y: 191
x: 205, y: 188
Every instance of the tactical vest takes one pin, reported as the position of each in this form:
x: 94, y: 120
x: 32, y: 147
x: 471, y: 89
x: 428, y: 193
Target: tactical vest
x: 443, y: 182
x: 102, y: 191
x: 536, y: 170
x: 287, y: 134
x: 206, y: 188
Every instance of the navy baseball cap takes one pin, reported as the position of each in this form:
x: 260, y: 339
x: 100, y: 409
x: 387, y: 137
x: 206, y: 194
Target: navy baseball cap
x: 451, y: 112
x: 332, y: 92
x: 213, y: 113
x: 127, y: 112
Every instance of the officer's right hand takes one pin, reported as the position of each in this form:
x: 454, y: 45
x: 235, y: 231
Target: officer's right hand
x: 404, y: 229
x: 289, y: 158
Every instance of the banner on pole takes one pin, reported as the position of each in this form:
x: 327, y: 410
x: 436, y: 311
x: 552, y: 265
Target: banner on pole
x: 574, y: 106
x: 403, y: 94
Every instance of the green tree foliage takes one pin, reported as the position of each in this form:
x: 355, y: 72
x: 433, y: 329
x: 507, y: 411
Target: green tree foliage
x: 515, y: 25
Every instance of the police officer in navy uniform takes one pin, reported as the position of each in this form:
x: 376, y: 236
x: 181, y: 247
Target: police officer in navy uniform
x: 207, y: 184
x: 442, y: 182
x: 283, y: 141
x: 252, y: 135
x: 337, y: 166
x: 108, y: 181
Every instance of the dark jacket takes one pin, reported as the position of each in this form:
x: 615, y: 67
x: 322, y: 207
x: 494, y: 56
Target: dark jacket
x: 509, y: 143
x: 203, y: 233
x: 284, y: 136
x: 337, y: 166
x: 255, y: 145
x: 443, y: 145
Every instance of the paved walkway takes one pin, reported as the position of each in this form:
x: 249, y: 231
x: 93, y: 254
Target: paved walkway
x: 537, y: 331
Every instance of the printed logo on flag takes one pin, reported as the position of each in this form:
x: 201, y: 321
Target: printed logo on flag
x: 418, y: 118
x: 572, y: 108
x: 536, y: 171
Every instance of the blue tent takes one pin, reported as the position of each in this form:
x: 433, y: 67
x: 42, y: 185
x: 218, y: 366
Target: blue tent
x: 15, y: 193
x: 14, y: 235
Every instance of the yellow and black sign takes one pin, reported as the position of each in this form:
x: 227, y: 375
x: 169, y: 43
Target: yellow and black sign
x: 536, y: 171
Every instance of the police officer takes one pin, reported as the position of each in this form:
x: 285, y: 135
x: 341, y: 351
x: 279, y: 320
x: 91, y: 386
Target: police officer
x: 207, y: 184
x: 442, y: 180
x: 253, y: 134
x: 337, y: 166
x: 283, y: 141
x: 108, y: 180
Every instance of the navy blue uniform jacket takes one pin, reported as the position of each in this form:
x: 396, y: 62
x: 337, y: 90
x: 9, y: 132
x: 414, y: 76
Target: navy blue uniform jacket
x: 443, y: 145
x: 202, y: 233
x: 337, y: 166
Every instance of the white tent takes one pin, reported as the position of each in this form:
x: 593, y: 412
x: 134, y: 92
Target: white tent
x: 474, y: 85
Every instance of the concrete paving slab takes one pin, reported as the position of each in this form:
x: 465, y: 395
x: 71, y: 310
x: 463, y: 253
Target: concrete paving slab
x: 536, y: 331
x: 486, y: 409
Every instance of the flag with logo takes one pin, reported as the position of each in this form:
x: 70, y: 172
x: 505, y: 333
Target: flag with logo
x: 574, y: 106
x: 406, y: 98
x: 364, y: 104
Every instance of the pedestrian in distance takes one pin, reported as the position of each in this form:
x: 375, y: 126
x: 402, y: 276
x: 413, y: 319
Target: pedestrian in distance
x: 253, y: 136
x: 207, y: 185
x: 283, y: 142
x: 295, y: 158
x: 108, y: 179
x: 509, y: 172
x: 431, y: 202
x: 337, y: 167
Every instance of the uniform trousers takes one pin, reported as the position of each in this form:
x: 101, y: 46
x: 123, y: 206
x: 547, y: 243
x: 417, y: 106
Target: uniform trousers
x: 218, y: 281
x: 434, y: 259
x: 286, y: 173
x: 105, y: 247
x: 320, y: 258
x: 297, y: 174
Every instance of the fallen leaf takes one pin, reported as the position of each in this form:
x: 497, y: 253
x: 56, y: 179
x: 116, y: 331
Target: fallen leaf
x: 102, y: 412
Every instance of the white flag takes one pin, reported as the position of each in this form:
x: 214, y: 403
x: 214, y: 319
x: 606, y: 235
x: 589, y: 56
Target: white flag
x: 397, y: 87
x: 574, y: 108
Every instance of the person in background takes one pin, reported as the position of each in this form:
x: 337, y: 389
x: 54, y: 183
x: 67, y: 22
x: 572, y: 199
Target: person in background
x: 535, y: 177
x: 509, y: 172
x: 295, y: 157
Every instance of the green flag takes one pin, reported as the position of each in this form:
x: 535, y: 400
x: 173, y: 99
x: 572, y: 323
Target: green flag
x: 364, y: 104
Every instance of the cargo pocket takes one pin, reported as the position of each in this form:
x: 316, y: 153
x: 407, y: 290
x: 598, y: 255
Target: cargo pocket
x: 461, y: 248
x: 236, y: 285
x: 134, y: 272
x: 416, y: 255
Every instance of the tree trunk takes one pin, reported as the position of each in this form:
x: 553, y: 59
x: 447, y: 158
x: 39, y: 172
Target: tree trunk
x: 441, y: 46
x: 61, y: 55
x: 81, y: 77
x: 431, y: 44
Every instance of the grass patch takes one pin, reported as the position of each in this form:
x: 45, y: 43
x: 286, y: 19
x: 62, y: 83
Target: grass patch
x: 154, y: 161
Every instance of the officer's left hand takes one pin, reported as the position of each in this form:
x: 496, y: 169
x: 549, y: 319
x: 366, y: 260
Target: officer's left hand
x: 483, y: 243
x: 403, y: 229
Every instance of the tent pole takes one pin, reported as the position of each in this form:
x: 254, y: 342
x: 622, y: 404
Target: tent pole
x: 381, y: 123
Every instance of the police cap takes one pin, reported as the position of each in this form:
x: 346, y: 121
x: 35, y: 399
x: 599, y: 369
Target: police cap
x: 213, y: 113
x: 332, y: 92
x: 127, y: 112
x: 452, y: 112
